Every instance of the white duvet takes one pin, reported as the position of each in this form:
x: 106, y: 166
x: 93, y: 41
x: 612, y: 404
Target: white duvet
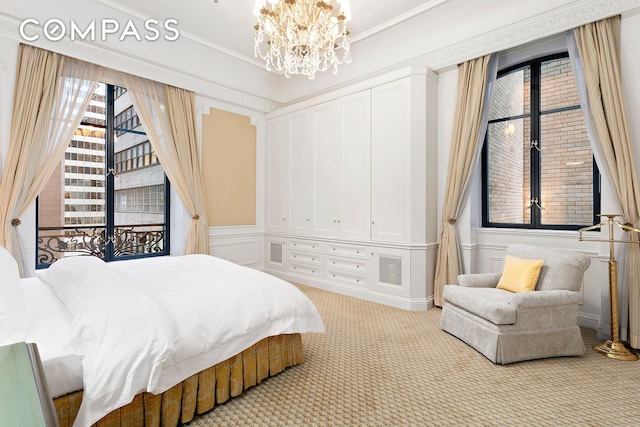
x: 147, y: 324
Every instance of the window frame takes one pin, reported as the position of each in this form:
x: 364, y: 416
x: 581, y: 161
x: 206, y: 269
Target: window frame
x: 109, y: 184
x: 534, y: 155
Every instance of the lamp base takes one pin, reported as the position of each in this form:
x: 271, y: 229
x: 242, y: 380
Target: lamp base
x: 615, y: 350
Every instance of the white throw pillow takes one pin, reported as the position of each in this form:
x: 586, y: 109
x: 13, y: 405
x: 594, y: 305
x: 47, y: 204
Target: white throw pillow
x: 66, y: 273
x: 13, y: 307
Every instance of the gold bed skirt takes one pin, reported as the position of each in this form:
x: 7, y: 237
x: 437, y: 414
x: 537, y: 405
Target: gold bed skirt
x: 200, y: 392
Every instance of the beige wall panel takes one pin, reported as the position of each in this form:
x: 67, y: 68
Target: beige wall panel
x: 229, y: 168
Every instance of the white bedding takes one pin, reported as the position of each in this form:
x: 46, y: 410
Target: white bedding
x: 189, y: 313
x: 49, y: 325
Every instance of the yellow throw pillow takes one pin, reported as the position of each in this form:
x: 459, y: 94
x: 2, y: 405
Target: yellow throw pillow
x: 520, y: 274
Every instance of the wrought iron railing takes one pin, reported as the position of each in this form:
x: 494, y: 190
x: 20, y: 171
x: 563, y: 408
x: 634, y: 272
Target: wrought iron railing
x: 133, y: 239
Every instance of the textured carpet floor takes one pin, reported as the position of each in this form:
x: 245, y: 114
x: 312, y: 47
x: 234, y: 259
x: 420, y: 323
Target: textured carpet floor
x: 381, y: 366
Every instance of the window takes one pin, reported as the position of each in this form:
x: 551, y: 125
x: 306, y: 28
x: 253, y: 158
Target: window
x: 538, y: 167
x: 109, y: 196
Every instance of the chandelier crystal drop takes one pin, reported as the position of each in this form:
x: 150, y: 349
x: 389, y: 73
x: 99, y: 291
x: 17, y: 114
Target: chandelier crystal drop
x: 302, y: 36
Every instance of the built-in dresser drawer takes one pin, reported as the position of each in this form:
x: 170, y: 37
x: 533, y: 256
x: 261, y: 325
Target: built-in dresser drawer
x: 347, y: 277
x: 347, y: 250
x: 304, y: 245
x: 297, y: 256
x: 305, y: 269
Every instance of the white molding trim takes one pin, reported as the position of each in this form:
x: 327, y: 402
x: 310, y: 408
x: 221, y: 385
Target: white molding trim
x: 531, y: 29
x: 351, y: 87
x: 587, y: 320
x: 235, y: 231
x: 546, y: 24
x: 122, y: 61
x: 411, y: 304
x: 430, y: 4
x: 193, y: 37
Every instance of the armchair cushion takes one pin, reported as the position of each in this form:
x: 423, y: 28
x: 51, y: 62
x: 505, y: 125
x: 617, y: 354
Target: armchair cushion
x: 489, y: 303
x: 520, y: 274
x: 562, y: 269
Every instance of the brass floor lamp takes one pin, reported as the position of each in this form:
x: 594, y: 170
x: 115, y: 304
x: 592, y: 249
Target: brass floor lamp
x: 612, y: 348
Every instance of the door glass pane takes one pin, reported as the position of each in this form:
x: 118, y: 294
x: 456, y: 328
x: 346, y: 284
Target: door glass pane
x: 567, y: 169
x: 139, y: 191
x: 71, y: 214
x: 509, y: 189
x: 511, y: 95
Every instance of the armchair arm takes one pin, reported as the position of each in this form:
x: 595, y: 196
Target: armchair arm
x: 544, y: 298
x: 479, y: 280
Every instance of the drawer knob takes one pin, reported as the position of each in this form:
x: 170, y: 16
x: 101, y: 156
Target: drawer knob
x: 313, y: 259
x: 334, y: 249
x: 313, y: 271
x: 358, y: 252
x: 294, y: 267
x: 357, y: 266
x: 334, y: 275
x: 358, y: 280
x: 294, y: 256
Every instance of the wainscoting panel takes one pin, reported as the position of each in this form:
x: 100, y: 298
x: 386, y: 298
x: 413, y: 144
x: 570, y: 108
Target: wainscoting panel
x: 243, y: 250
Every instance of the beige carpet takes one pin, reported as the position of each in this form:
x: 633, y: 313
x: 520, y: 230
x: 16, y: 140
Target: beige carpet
x: 381, y: 366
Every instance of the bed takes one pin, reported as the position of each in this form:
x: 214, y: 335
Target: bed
x: 155, y: 341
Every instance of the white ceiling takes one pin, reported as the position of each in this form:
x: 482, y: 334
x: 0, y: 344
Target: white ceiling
x: 227, y: 25
x: 214, y: 53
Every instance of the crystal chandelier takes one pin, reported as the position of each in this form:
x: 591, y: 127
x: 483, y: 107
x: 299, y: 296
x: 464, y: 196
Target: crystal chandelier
x: 302, y: 36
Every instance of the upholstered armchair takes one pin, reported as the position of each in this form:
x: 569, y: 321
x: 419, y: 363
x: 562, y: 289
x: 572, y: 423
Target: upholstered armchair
x: 508, y: 326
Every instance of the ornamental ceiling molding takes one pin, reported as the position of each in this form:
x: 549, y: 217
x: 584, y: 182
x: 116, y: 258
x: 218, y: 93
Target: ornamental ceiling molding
x: 540, y: 26
x: 113, y: 4
x: 121, y: 61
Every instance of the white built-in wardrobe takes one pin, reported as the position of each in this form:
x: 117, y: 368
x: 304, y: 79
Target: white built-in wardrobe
x: 350, y: 191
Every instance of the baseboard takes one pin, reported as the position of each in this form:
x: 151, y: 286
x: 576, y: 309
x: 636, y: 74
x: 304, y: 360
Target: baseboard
x: 589, y: 321
x: 410, y: 304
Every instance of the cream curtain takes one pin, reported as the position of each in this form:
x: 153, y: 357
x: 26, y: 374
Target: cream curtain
x: 597, y: 62
x: 52, y: 92
x: 168, y: 116
x: 475, y: 79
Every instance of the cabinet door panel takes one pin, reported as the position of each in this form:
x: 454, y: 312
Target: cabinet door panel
x: 353, y: 192
x: 298, y: 179
x: 324, y: 177
x: 390, y: 162
x: 276, y: 179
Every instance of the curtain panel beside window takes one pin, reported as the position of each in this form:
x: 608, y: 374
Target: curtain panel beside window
x: 475, y: 80
x: 595, y: 52
x: 168, y: 115
x: 52, y: 93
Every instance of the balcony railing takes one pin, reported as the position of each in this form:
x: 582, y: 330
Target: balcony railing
x: 134, y: 239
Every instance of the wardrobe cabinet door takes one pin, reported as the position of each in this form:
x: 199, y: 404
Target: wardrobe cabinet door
x: 276, y: 176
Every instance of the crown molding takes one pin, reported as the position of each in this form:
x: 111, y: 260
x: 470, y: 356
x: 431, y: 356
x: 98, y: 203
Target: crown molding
x: 113, y: 4
x: 118, y: 60
x: 543, y: 25
x: 397, y: 20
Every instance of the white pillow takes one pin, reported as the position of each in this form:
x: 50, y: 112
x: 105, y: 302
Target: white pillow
x: 13, y: 307
x: 67, y: 273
